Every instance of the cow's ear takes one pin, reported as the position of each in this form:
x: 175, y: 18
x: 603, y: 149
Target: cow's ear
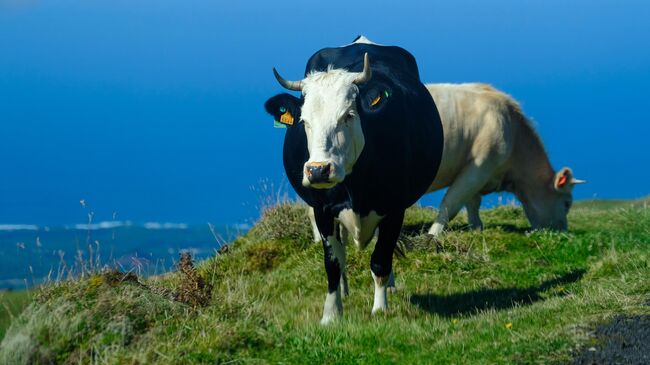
x: 564, y: 180
x: 285, y: 109
x: 375, y: 98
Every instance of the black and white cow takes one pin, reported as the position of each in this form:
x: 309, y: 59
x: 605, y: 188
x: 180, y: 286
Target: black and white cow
x: 364, y: 142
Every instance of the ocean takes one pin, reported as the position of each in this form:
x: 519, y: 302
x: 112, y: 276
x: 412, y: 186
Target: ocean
x: 31, y: 254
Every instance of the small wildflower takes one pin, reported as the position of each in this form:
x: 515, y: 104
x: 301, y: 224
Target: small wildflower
x: 509, y: 325
x: 454, y: 321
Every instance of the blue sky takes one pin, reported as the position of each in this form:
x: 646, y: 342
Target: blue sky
x: 153, y: 109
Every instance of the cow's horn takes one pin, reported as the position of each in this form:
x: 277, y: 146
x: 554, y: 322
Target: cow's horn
x: 576, y: 181
x: 287, y: 84
x: 366, y: 74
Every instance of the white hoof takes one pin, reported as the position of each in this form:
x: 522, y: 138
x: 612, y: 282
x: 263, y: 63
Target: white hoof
x: 327, y: 319
x: 436, y: 229
x: 381, y: 299
x: 379, y: 309
x: 333, y: 307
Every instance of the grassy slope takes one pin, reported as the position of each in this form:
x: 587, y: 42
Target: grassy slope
x: 497, y: 296
x: 11, y: 304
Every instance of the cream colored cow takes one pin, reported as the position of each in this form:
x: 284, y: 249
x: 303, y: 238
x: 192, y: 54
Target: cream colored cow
x: 489, y: 145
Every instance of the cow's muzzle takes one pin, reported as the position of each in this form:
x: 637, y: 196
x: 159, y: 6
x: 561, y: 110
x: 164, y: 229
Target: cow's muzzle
x: 318, y: 172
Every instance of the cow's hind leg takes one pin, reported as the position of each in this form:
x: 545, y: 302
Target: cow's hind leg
x: 345, y: 290
x: 465, y: 187
x: 381, y: 262
x: 473, y: 218
x: 314, y: 226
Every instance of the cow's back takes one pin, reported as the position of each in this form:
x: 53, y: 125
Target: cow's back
x: 479, y: 125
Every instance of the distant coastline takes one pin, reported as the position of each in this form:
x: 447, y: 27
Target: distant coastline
x: 32, y: 254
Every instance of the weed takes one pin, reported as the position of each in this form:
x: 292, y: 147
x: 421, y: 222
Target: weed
x: 193, y: 289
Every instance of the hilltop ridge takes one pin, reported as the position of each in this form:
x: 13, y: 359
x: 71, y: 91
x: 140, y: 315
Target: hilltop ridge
x: 503, y: 295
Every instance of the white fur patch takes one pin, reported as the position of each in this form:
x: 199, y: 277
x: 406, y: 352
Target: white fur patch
x: 333, y: 307
x: 360, y: 228
x: 436, y: 229
x: 332, y: 124
x: 381, y: 298
x: 363, y: 40
x: 314, y: 226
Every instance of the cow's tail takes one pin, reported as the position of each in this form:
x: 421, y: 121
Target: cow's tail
x: 399, y: 249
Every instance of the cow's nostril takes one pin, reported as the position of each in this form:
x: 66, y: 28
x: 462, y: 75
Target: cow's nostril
x: 318, y: 173
x: 326, y: 169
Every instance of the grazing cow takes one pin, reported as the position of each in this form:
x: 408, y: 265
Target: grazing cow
x: 363, y: 143
x: 489, y: 145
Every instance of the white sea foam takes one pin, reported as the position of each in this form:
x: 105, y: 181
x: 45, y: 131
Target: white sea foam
x: 109, y: 225
x: 101, y: 225
x: 18, y: 227
x: 157, y: 225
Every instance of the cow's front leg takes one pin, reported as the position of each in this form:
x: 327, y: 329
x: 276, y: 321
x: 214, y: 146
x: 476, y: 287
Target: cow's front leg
x: 464, y: 188
x: 334, y: 258
x: 381, y: 262
x: 333, y: 307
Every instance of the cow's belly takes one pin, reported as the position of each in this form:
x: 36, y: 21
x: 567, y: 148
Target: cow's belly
x: 360, y: 229
x: 454, y: 158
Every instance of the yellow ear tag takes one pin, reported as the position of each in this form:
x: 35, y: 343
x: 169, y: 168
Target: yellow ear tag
x: 374, y: 102
x: 286, y: 118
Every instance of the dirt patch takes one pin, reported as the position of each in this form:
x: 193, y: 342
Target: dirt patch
x: 624, y: 340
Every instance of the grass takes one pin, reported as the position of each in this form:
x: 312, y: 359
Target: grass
x: 11, y: 304
x: 503, y: 295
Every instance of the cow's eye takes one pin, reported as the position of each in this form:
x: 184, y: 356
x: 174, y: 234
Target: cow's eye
x: 349, y: 116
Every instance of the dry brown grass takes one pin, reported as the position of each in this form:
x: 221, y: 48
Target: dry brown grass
x: 193, y: 289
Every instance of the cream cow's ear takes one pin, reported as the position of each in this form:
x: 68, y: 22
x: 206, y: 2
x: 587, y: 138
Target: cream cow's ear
x: 564, y: 180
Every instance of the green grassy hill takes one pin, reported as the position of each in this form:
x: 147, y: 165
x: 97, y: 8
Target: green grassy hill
x: 503, y: 295
x: 11, y: 304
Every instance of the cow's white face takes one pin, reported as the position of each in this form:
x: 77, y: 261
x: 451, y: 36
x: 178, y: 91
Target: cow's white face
x: 332, y: 125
